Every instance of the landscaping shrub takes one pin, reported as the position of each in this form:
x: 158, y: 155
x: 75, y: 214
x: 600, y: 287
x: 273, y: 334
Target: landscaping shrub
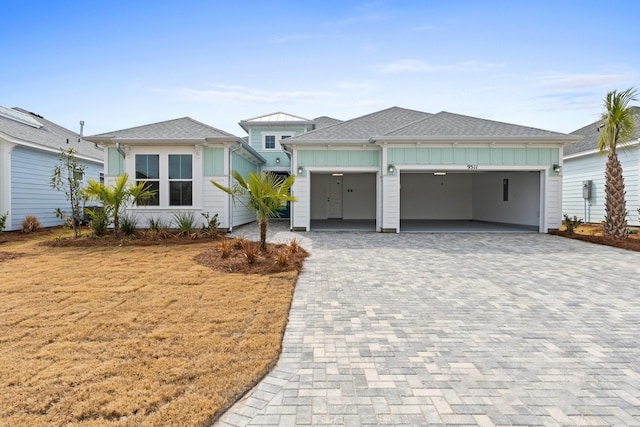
x: 186, y: 222
x: 129, y: 224
x: 211, y: 224
x: 571, y: 223
x: 3, y: 221
x: 30, y: 224
x: 99, y: 220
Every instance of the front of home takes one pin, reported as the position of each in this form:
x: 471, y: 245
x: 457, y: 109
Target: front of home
x: 584, y: 174
x: 389, y: 171
x: 400, y: 169
x: 29, y: 151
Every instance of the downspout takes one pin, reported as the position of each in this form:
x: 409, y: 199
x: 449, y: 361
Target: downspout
x: 292, y: 171
x: 230, y: 181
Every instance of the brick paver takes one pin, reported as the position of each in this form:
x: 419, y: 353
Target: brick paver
x: 455, y: 329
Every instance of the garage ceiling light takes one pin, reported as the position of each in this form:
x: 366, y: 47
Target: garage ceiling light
x: 337, y: 174
x: 439, y: 173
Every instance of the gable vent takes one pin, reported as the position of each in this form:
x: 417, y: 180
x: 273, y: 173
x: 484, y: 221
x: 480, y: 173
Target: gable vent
x: 20, y: 117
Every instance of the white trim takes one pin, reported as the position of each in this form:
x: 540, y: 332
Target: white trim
x: 277, y: 138
x: 48, y: 149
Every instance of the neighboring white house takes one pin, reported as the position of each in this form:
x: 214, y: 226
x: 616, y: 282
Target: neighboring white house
x: 583, y: 174
x: 179, y: 159
x: 29, y: 149
x: 397, y: 168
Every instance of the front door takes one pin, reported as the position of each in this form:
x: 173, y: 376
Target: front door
x: 334, y: 198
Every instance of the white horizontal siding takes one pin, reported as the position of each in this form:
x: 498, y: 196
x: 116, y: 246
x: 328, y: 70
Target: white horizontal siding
x: 31, y: 191
x: 553, y: 201
x: 391, y: 202
x: 302, y: 206
x: 216, y: 201
x: 592, y: 167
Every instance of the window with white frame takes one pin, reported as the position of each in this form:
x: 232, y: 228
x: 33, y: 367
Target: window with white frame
x: 271, y: 140
x: 148, y: 170
x: 180, y: 180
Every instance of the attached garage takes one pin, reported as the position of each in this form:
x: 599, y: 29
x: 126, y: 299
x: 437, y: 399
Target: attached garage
x: 435, y: 199
x: 343, y: 200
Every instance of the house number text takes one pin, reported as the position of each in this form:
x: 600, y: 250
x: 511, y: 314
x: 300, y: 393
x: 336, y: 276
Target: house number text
x: 472, y: 166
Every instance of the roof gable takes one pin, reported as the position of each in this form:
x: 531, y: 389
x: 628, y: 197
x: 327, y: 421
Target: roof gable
x: 182, y: 128
x: 362, y: 128
x: 23, y: 126
x: 445, y: 124
x: 276, y: 117
x: 592, y: 136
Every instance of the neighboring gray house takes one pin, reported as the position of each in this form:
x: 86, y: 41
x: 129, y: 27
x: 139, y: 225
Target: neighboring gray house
x: 29, y: 148
x: 583, y: 174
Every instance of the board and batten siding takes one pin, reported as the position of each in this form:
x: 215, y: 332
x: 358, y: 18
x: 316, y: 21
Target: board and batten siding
x: 591, y: 167
x: 473, y: 155
x: 31, y: 191
x: 339, y: 158
x: 242, y: 215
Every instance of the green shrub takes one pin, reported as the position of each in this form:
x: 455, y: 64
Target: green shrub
x: 186, y: 222
x: 3, y: 221
x: 99, y: 220
x: 128, y: 224
x: 211, y: 224
x: 156, y: 224
x: 571, y: 223
x: 30, y: 224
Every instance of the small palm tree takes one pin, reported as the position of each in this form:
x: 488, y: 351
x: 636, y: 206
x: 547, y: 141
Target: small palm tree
x: 617, y: 126
x: 116, y: 198
x: 267, y: 194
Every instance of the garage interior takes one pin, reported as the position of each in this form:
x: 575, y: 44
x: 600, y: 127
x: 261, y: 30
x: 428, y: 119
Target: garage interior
x: 343, y: 201
x: 469, y: 201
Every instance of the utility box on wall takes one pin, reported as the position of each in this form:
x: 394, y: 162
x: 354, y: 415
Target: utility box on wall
x: 586, y: 189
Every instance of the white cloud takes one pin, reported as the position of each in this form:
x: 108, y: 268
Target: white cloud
x: 584, y: 80
x: 419, y: 66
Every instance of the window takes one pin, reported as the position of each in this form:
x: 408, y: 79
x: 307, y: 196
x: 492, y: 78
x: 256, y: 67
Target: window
x: 101, y: 177
x: 180, y: 180
x: 271, y: 140
x: 78, y: 175
x: 148, y: 170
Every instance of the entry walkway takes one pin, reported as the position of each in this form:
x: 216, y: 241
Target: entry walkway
x: 455, y: 329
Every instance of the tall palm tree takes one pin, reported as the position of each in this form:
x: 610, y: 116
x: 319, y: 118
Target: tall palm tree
x: 617, y: 126
x: 267, y: 194
x: 115, y: 198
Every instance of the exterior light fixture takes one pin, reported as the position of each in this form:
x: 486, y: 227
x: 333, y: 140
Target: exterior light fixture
x: 278, y: 160
x: 391, y: 168
x: 300, y: 170
x: 439, y: 173
x: 557, y: 168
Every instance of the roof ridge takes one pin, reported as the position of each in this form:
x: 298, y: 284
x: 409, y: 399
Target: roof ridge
x: 273, y: 114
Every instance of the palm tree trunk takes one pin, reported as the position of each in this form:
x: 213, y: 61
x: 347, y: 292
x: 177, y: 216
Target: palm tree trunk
x: 264, y: 223
x: 615, y: 204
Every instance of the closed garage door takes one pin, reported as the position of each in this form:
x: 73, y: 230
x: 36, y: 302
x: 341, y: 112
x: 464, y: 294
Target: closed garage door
x: 432, y: 199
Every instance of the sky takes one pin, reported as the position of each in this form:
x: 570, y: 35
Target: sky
x: 119, y: 64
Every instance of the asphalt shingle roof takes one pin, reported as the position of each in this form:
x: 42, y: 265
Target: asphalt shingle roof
x: 182, y: 128
x: 445, y: 124
x: 50, y: 135
x: 364, y: 127
x: 592, y: 136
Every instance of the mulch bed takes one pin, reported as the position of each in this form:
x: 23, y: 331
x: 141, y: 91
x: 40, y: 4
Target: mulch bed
x: 628, y: 244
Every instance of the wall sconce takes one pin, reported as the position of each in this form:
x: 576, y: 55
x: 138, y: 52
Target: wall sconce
x: 300, y: 170
x: 278, y: 160
x: 557, y: 168
x: 391, y: 168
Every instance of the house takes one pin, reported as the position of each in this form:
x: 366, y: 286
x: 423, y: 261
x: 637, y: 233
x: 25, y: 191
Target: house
x: 583, y: 174
x: 29, y: 149
x: 392, y: 170
x: 400, y: 170
x: 178, y: 158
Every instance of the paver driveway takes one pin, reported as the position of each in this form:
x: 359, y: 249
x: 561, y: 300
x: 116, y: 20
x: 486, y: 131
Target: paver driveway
x: 476, y: 329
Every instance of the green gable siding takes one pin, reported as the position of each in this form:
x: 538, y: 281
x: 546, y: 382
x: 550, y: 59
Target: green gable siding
x: 116, y: 165
x: 339, y: 158
x: 242, y: 165
x: 213, y: 161
x: 472, y: 156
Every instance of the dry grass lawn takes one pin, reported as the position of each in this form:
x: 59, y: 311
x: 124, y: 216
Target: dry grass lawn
x: 131, y: 335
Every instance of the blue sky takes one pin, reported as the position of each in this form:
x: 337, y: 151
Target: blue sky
x: 117, y: 64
